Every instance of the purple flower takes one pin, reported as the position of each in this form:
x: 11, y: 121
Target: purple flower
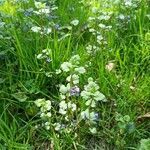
x: 96, y: 116
x: 48, y: 60
x: 74, y: 91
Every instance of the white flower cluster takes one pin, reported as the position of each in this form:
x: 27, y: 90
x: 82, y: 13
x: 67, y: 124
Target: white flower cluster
x: 43, y: 31
x: 98, y: 27
x: 72, y: 66
x: 42, y: 9
x: 64, y: 107
x: 91, y: 48
x: 91, y: 93
x: 71, y: 89
x: 45, y: 107
x: 99, y: 21
x: 92, y: 116
x: 74, y: 22
x: 75, y: 106
x: 46, y: 54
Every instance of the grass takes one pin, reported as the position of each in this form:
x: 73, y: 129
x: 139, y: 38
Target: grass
x: 23, y: 77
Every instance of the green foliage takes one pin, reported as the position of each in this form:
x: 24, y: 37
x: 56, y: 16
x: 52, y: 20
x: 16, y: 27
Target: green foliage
x: 37, y: 38
x: 144, y: 144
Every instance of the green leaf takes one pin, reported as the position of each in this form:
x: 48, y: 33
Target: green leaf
x: 130, y: 127
x: 144, y: 144
x: 2, y: 80
x: 126, y: 118
x: 20, y: 96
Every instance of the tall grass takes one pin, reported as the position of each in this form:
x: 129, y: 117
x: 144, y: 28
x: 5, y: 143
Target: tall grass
x: 126, y: 87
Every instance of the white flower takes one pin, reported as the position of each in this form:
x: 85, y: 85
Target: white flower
x: 54, y: 8
x: 66, y: 118
x: 85, y: 114
x: 80, y: 70
x: 47, y: 125
x: 90, y: 79
x: 37, y: 12
x: 93, y: 130
x: 91, y: 87
x: 49, y: 114
x: 94, y: 10
x: 44, y: 11
x: 132, y: 87
x: 91, y: 93
x: 48, y: 74
x: 39, y: 5
x: 57, y: 126
x: 89, y: 47
x: 62, y: 107
x: 47, y: 30
x: 91, y: 103
x: 36, y: 29
x: 66, y: 66
x: 42, y: 115
x: 93, y: 116
x: 128, y: 3
x: 62, y: 111
x: 121, y: 16
x: 65, y: 27
x: 74, y: 78
x: 99, y: 96
x: 58, y: 71
x: 63, y: 89
x: 91, y: 30
x: 91, y: 18
x: 104, y: 17
x: 62, y: 96
x: 72, y: 106
x: 43, y: 110
x: 108, y: 27
x: 102, y: 26
x: 90, y: 116
x: 69, y: 104
x: 74, y: 22
x: 75, y: 60
x: 47, y: 105
x: 99, y: 37
x: 46, y: 51
x: 85, y: 95
x: 69, y: 78
x: 39, y: 102
x: 39, y: 56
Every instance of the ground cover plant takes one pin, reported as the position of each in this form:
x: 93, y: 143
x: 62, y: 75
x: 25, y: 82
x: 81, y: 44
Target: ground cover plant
x: 74, y: 74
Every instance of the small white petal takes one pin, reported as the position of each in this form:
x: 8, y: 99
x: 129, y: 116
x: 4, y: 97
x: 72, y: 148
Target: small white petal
x: 93, y: 130
x: 74, y: 22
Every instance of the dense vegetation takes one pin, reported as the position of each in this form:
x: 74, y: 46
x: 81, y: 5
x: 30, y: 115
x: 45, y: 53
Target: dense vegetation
x: 74, y: 74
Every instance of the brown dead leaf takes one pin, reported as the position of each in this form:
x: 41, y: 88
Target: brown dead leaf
x: 110, y: 65
x: 145, y: 116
